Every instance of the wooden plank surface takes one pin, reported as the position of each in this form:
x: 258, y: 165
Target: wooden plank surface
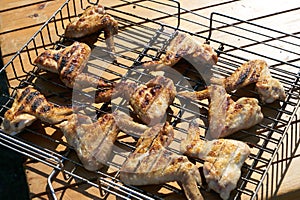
x: 19, y: 20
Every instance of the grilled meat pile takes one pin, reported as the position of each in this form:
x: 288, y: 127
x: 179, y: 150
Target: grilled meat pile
x: 151, y: 162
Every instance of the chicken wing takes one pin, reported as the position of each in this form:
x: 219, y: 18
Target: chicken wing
x: 150, y: 101
x: 127, y: 125
x: 152, y: 163
x: 254, y: 71
x: 29, y: 105
x: 227, y: 117
x: 93, y: 142
x: 69, y: 63
x: 183, y: 46
x: 223, y: 159
x: 92, y: 20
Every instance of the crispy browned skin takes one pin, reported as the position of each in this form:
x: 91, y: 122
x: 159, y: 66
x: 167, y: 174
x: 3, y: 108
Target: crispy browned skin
x: 92, y: 20
x: 69, y: 63
x: 150, y: 101
x: 223, y: 159
x: 92, y: 141
x: 152, y: 163
x: 254, y: 71
x: 29, y: 105
x: 227, y: 117
x: 184, y: 45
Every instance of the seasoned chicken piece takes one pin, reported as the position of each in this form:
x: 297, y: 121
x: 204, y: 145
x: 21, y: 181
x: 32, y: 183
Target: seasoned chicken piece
x: 269, y: 89
x: 196, y: 95
x: 254, y: 71
x: 183, y: 46
x: 69, y: 63
x: 152, y: 163
x: 92, y: 20
x: 127, y: 125
x: 29, y: 105
x: 227, y: 117
x: 93, y: 142
x: 150, y: 101
x: 223, y: 159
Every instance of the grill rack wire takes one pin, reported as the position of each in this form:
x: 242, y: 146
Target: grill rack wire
x: 148, y: 37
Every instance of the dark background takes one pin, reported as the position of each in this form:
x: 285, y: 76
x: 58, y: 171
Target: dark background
x: 13, y: 183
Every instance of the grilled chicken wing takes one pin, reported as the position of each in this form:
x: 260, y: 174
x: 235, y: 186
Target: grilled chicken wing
x: 93, y: 142
x: 150, y: 101
x: 69, y: 63
x: 127, y: 125
x: 29, y: 105
x: 182, y: 46
x: 92, y: 20
x: 152, y: 163
x: 223, y: 159
x: 227, y: 116
x: 254, y: 71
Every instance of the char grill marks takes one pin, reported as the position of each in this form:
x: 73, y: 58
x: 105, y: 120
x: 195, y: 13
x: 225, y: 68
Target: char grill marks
x: 223, y: 159
x: 30, y: 105
x: 92, y: 20
x: 185, y: 46
x: 152, y: 163
x: 150, y: 101
x: 268, y: 88
x: 69, y: 64
x: 255, y: 71
x: 227, y: 116
x: 92, y: 141
x: 247, y: 73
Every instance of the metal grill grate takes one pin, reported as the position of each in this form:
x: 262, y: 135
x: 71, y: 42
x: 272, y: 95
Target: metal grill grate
x: 142, y: 38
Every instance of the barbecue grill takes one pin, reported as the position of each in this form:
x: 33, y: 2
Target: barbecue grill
x: 142, y: 38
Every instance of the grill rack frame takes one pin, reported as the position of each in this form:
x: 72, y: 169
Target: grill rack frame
x: 55, y: 160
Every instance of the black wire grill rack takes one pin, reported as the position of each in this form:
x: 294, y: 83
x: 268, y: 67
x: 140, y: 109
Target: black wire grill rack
x: 144, y: 36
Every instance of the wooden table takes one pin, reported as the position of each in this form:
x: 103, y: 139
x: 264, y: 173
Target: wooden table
x: 19, y: 19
